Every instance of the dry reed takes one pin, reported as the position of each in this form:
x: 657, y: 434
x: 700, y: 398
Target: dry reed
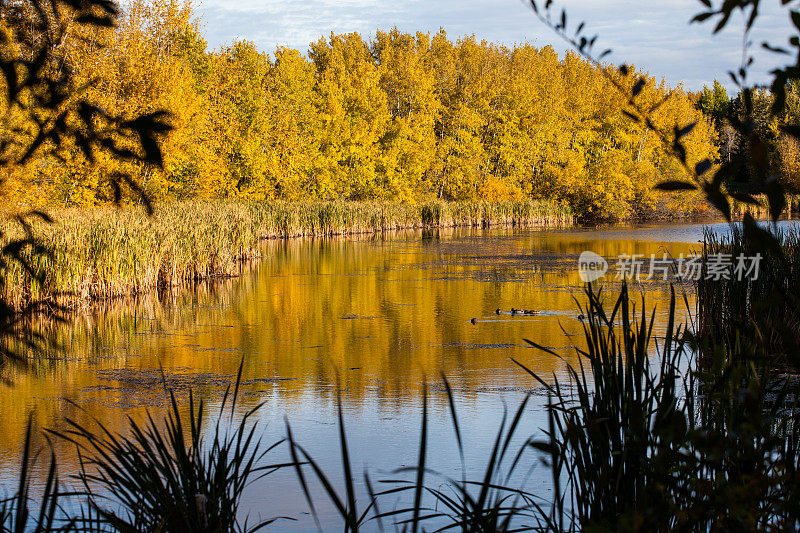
x: 103, y: 253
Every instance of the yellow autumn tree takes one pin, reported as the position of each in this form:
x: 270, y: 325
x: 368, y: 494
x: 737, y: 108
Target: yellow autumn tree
x: 354, y: 116
x: 398, y: 117
x: 296, y: 162
x: 138, y: 69
x: 409, y: 143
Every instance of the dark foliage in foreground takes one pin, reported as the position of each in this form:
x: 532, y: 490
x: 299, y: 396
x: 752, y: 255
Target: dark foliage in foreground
x: 45, y: 109
x: 644, y: 435
x: 19, y: 512
x: 762, y: 311
x: 689, y: 433
x: 166, y: 476
x: 616, y: 434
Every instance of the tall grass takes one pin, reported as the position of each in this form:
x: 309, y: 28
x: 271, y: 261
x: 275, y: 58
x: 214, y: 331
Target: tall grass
x: 164, y: 476
x: 763, y: 309
x: 435, y: 502
x: 692, y: 433
x: 294, y: 219
x: 105, y: 253
x: 615, y: 435
x: 496, y: 501
x: 21, y: 512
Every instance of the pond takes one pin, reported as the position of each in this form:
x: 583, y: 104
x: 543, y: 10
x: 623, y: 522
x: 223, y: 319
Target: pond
x: 366, y: 317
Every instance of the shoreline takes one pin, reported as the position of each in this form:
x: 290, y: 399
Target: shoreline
x: 106, y: 253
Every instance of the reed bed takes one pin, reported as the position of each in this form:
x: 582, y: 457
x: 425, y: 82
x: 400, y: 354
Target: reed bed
x: 764, y: 308
x: 304, y: 219
x: 104, y: 253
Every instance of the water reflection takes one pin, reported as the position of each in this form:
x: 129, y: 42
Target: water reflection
x: 380, y: 312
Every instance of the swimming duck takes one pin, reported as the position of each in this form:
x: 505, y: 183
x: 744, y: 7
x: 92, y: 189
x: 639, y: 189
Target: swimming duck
x: 529, y: 312
x: 514, y: 311
x: 498, y: 311
x: 474, y: 321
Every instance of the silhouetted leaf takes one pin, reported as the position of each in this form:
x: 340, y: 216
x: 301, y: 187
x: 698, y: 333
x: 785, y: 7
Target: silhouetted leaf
x: 759, y: 239
x: 631, y: 116
x: 700, y: 17
x: 702, y: 167
x: 716, y: 198
x: 776, y: 197
x: 680, y: 151
x: 549, y: 448
x: 791, y: 130
x: 745, y: 198
x: 779, y: 91
x: 148, y: 128
x: 684, y: 131
x: 40, y: 214
x: 776, y: 49
x: 675, y: 185
x: 795, y: 15
x: 117, y: 190
x: 637, y: 88
x: 104, y: 21
x: 726, y: 15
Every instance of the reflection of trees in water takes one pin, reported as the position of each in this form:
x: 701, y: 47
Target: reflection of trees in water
x: 377, y: 309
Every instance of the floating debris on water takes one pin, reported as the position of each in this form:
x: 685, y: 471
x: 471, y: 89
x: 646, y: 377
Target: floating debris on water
x: 154, y: 378
x: 471, y: 346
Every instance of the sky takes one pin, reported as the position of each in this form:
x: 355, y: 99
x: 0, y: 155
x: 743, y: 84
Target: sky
x: 654, y: 35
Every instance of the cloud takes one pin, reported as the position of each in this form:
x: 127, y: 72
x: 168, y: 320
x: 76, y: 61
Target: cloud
x: 655, y: 36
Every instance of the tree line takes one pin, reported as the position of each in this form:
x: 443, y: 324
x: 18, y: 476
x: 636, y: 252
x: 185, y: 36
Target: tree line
x: 397, y: 117
x: 764, y: 146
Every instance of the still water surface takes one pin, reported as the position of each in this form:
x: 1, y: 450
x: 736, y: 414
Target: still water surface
x: 382, y: 313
